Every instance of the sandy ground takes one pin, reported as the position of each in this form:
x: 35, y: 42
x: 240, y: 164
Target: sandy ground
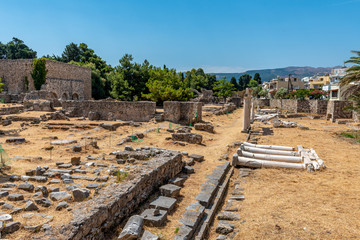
x: 293, y: 204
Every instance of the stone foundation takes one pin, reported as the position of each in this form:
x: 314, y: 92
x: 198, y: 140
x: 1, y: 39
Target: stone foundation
x: 182, y: 112
x: 335, y: 110
x: 93, y: 218
x: 112, y: 110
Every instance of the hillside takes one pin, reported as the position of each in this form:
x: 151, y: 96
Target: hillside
x: 268, y: 74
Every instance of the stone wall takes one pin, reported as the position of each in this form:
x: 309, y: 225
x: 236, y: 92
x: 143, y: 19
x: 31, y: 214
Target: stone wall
x: 63, y: 80
x: 182, y: 112
x: 237, y: 101
x: 262, y: 102
x: 93, y: 218
x: 112, y: 110
x: 335, y: 110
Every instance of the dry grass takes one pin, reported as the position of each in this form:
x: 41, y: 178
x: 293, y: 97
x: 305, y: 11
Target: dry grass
x: 292, y: 204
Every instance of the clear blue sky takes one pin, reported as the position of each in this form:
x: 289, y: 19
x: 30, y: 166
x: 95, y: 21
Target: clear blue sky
x: 219, y: 36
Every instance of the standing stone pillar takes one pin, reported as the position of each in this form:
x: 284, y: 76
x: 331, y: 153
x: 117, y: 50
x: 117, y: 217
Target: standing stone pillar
x: 246, y: 112
x: 252, y: 110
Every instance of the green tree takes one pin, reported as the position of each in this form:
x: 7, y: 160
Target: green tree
x: 244, y: 81
x: 39, y: 72
x: 352, y: 77
x: 224, y: 89
x: 281, y: 93
x: 16, y: 49
x: 263, y: 93
x: 252, y: 84
x: 71, y: 53
x: 198, y: 79
x: 234, y: 82
x: 166, y: 85
x: 257, y: 78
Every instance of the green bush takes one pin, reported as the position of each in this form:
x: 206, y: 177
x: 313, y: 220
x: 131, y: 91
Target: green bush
x: 39, y: 72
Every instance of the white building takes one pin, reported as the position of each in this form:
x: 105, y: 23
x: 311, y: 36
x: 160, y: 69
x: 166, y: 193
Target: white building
x: 335, y: 76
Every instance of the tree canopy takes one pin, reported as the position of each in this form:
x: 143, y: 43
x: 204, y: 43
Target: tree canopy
x: 16, y: 49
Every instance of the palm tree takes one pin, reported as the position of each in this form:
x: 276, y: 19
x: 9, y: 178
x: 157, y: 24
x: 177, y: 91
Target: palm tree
x: 352, y: 78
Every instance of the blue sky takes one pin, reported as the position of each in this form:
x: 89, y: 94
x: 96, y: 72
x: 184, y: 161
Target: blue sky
x: 218, y: 36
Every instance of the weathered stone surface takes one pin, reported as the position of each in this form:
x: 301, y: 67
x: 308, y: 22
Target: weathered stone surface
x: 11, y: 227
x: 170, y: 190
x: 15, y: 140
x: 7, y: 206
x: 54, y: 181
x: 178, y: 181
x: 149, y: 236
x: 207, y: 127
x: 187, y: 137
x: 9, y: 185
x: 92, y: 185
x: 76, y: 148
x: 14, y: 178
x: 38, y: 178
x: 60, y: 196
x: 3, y: 194
x: 133, y: 228
x: 65, y: 166
x: 231, y: 206
x: 26, y: 187
x: 197, y: 157
x: 237, y: 198
x: 184, y: 233
x: 6, y: 218
x: 204, y: 198
x: 188, y: 170
x: 193, y: 215
x: 164, y: 203
x: 15, y: 197
x: 224, y: 227
x: 230, y: 216
x: 30, y: 206
x: 43, y: 190
x: 80, y: 194
x: 62, y: 142
x: 61, y: 205
x: 43, y: 202
x: 154, y: 217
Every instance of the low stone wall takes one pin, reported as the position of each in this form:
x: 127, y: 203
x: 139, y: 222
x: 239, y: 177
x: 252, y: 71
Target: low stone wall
x: 237, y: 101
x: 262, y: 102
x: 93, y: 218
x: 11, y: 110
x: 182, y: 112
x: 112, y: 110
x: 335, y: 110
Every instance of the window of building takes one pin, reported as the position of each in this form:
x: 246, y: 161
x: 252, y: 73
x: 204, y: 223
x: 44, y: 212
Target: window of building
x: 334, y: 94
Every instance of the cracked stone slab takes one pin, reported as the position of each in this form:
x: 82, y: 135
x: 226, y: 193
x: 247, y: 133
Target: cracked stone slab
x: 154, y: 217
x: 230, y: 216
x: 170, y: 190
x: 132, y: 229
x: 164, y: 203
x: 231, y: 206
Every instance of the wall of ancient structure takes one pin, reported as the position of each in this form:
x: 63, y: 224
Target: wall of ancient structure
x: 112, y: 110
x: 63, y: 80
x: 335, y: 110
x: 182, y: 112
x: 116, y: 202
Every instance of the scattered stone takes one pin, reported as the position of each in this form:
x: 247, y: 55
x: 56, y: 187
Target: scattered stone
x: 188, y: 170
x: 237, y: 198
x: 149, y: 236
x: 15, y: 140
x: 61, y: 205
x: 92, y: 185
x: 194, y: 138
x: 7, y: 206
x: 207, y: 127
x: 43, y: 202
x: 154, y: 217
x: 178, y: 181
x: 76, y: 148
x: 6, y: 218
x: 9, y: 185
x: 68, y: 181
x: 170, y: 130
x: 37, y: 194
x: 65, y: 166
x: 54, y: 181
x: 80, y: 194
x: 11, y: 227
x: 3, y: 194
x: 184, y: 233
x: 132, y: 229
x: 60, y: 196
x: 170, y: 190
x: 230, y: 216
x: 75, y: 160
x: 230, y: 206
x: 31, y: 206
x: 56, y: 189
x: 38, y: 179
x: 197, y: 157
x: 62, y: 142
x: 14, y: 178
x: 15, y: 197
x: 224, y: 227
x: 128, y: 148
x: 16, y: 210
x: 164, y: 203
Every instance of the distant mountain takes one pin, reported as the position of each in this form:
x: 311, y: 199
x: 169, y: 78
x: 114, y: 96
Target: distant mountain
x: 268, y: 74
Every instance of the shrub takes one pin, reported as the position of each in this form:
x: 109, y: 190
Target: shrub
x: 39, y: 72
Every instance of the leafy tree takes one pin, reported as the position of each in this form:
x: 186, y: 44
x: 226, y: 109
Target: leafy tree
x: 281, y: 93
x: 256, y: 90
x: 39, y: 72
x: 252, y: 84
x: 1, y: 85
x: 166, y: 85
x: 224, y: 89
x: 244, y: 81
x: 71, y: 53
x: 352, y: 77
x: 263, y: 93
x: 197, y: 79
x: 16, y: 49
x: 257, y: 78
x: 234, y: 82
